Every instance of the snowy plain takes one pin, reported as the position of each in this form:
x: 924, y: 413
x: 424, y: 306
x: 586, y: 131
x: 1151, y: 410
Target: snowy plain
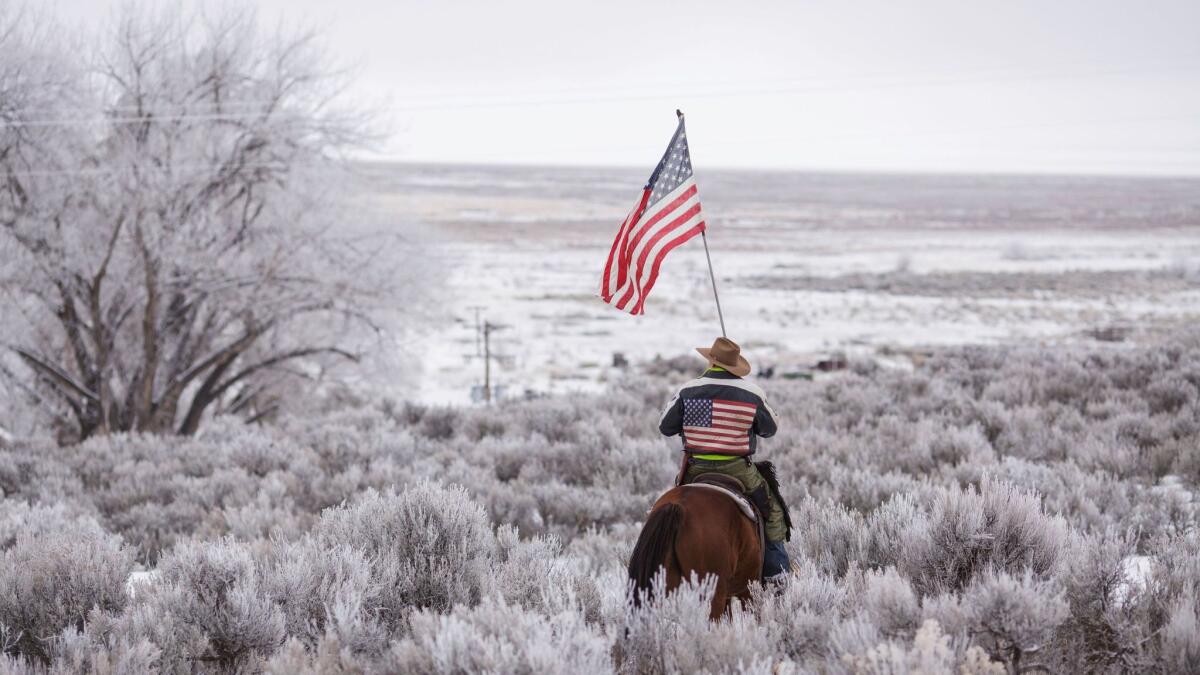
x: 806, y: 266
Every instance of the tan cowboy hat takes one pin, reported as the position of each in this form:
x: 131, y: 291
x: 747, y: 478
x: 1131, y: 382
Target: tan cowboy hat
x: 726, y: 354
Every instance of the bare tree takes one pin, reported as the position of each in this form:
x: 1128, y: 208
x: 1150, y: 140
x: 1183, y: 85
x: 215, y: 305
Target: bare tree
x: 167, y: 222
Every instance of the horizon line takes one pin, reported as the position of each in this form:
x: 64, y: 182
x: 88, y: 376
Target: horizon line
x: 895, y: 171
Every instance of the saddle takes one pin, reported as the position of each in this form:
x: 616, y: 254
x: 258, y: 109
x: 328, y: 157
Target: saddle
x: 733, y: 488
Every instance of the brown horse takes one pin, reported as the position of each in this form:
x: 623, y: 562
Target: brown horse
x: 694, y: 529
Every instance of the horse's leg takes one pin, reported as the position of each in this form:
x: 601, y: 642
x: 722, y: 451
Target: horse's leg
x: 742, y: 556
x: 743, y: 595
x: 748, y: 551
x: 720, y: 601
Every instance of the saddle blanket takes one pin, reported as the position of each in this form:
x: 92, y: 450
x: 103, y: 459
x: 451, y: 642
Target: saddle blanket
x: 740, y: 500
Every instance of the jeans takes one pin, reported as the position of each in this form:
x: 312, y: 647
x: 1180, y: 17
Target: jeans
x: 775, y: 560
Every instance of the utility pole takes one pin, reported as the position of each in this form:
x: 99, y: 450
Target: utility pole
x: 487, y: 362
x: 488, y: 329
x: 476, y: 309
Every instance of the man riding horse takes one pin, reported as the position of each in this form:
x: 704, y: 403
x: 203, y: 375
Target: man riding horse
x: 719, y: 416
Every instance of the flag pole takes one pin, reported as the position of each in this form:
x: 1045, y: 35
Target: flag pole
x: 711, y: 276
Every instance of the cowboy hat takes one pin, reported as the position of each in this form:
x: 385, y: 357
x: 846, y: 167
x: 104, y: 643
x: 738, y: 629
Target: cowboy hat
x: 726, y: 354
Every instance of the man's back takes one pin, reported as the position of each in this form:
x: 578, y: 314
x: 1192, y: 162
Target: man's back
x: 719, y: 414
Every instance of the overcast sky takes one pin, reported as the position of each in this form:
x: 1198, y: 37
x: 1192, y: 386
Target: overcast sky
x: 1028, y: 86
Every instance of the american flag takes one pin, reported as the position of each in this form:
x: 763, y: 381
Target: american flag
x: 718, y: 426
x: 667, y: 215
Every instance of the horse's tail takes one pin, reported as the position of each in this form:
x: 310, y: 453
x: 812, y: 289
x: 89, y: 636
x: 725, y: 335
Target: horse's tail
x: 655, y: 547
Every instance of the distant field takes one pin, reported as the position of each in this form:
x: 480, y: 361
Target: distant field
x: 808, y: 263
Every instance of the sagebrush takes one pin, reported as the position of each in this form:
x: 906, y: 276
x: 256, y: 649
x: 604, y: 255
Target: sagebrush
x: 981, y: 513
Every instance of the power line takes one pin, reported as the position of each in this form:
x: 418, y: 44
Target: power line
x: 676, y: 86
x: 154, y: 119
x: 769, y: 91
x: 145, y: 107
x: 453, y: 97
x: 104, y: 171
x: 766, y: 89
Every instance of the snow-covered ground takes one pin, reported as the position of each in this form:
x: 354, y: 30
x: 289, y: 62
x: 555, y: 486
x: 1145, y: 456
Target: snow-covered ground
x: 526, y: 246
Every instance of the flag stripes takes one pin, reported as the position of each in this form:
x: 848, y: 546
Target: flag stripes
x: 718, y: 425
x: 667, y: 215
x: 663, y: 231
x: 616, y: 268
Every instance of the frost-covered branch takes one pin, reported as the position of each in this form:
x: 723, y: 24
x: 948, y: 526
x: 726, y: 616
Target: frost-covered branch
x: 186, y: 237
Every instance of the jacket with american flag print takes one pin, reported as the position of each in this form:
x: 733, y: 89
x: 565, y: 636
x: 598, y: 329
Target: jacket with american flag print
x: 719, y: 413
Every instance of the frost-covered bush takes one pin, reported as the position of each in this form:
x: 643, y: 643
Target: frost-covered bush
x: 1109, y: 625
x: 430, y: 546
x: 52, y: 578
x: 1014, y: 617
x: 218, y: 592
x: 78, y: 652
x: 21, y: 518
x: 599, y: 549
x: 1181, y: 635
x: 295, y: 658
x: 495, y: 637
x: 671, y: 633
x: 325, y: 592
x: 969, y: 532
x: 931, y: 651
x: 233, y: 606
x: 150, y: 616
x: 31, y: 471
x: 439, y: 423
x: 831, y: 535
x: 799, y: 619
x: 890, y: 601
x: 537, y: 574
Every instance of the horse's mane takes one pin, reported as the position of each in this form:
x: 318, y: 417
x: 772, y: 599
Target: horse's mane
x: 767, y: 469
x: 654, y: 548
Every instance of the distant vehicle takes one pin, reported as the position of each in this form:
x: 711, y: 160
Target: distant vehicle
x: 834, y: 362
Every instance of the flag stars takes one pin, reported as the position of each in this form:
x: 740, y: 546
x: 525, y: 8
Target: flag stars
x: 674, y: 168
